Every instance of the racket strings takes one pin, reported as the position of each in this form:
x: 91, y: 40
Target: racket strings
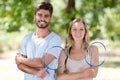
x: 97, y: 56
x: 55, y: 65
x: 88, y: 57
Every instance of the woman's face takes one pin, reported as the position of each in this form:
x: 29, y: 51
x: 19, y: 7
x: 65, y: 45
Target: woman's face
x: 78, y: 31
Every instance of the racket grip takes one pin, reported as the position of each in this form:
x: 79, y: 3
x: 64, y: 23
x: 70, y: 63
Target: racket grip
x: 46, y: 68
x: 91, y: 65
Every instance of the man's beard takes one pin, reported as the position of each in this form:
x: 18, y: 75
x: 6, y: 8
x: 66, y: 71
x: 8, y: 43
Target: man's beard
x: 42, y: 24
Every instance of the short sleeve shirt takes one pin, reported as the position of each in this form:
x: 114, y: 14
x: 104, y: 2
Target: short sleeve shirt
x: 36, y: 49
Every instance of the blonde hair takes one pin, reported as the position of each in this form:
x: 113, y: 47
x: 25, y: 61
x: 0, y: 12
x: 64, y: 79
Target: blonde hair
x: 70, y: 40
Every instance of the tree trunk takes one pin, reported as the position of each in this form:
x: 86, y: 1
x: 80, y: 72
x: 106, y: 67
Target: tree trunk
x: 47, y: 0
x: 70, y: 8
x: 70, y: 5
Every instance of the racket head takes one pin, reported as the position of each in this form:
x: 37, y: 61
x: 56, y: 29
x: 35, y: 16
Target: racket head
x: 97, y: 52
x: 53, y: 65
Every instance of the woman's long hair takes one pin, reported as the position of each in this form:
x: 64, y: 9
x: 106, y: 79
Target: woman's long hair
x: 70, y: 40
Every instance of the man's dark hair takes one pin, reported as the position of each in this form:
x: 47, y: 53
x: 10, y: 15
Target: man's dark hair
x: 45, y: 6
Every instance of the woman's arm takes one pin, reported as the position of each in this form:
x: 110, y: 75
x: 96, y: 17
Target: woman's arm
x: 87, y: 73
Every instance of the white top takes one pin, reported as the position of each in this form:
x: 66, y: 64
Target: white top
x: 35, y: 49
x: 77, y: 65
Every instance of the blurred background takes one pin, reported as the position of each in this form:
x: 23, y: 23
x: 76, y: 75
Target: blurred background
x: 101, y: 16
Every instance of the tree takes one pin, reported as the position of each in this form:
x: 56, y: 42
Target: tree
x: 70, y: 8
x: 93, y: 11
x: 15, y: 14
x: 102, y: 16
x: 47, y: 0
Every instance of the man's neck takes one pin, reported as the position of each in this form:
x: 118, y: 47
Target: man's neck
x: 42, y: 33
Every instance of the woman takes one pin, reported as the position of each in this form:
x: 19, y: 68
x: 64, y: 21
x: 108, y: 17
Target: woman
x: 75, y: 67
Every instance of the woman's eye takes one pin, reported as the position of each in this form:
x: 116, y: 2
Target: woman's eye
x: 81, y: 29
x: 74, y: 29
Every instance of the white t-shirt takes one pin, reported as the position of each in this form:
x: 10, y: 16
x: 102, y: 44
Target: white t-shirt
x: 35, y: 49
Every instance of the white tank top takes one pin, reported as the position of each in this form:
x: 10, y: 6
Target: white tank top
x: 77, y: 65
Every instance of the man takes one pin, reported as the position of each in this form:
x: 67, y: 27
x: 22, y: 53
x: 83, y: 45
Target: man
x: 33, y: 46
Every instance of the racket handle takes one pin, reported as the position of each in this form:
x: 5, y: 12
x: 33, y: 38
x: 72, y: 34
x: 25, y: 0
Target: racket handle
x: 46, y: 68
x: 91, y: 65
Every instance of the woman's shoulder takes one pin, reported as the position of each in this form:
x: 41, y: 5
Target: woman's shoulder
x: 93, y: 49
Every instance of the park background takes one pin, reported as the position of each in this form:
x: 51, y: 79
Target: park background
x: 101, y: 16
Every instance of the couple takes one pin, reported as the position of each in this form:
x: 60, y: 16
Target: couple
x: 29, y: 59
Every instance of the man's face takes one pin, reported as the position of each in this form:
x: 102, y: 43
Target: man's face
x: 42, y: 18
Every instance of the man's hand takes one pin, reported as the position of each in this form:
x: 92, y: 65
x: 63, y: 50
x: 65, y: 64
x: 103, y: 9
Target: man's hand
x: 42, y: 73
x: 22, y: 55
x: 19, y: 58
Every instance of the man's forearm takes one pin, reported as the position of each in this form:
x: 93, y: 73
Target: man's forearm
x: 27, y: 69
x: 36, y: 62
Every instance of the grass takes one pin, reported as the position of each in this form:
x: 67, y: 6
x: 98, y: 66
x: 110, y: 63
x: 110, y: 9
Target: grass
x: 112, y: 62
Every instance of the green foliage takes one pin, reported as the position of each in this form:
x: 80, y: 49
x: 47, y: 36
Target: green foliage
x: 94, y: 11
x: 11, y: 41
x: 113, y: 62
x: 102, y: 17
x: 15, y: 13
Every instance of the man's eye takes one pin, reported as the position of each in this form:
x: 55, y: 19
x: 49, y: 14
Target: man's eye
x: 39, y: 14
x: 46, y: 15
